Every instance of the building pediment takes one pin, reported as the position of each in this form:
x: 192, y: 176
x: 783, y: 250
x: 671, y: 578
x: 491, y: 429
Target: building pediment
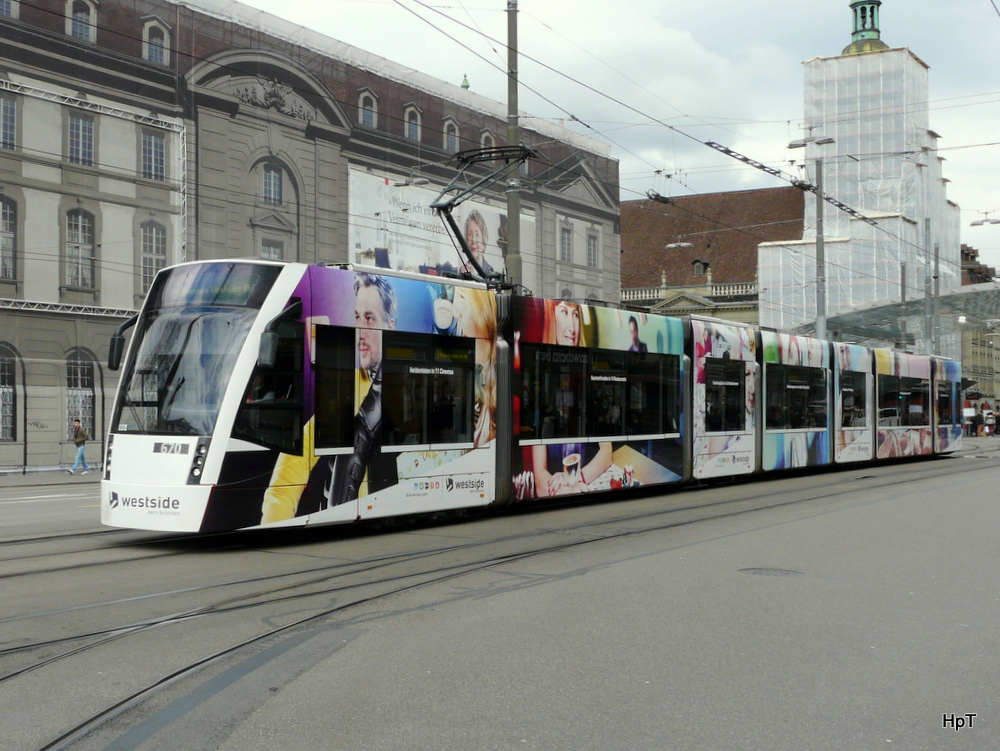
x: 272, y: 221
x: 683, y: 299
x: 575, y: 178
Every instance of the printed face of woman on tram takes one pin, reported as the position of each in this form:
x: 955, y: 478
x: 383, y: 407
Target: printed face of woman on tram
x: 567, y: 324
x: 475, y: 236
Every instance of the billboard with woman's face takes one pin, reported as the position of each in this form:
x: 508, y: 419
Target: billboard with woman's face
x: 392, y: 226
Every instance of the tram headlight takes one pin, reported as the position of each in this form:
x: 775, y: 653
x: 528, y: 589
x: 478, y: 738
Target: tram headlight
x: 198, y: 462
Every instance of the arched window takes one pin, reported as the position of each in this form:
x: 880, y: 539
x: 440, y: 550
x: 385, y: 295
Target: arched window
x: 80, y: 249
x: 274, y: 219
x: 79, y: 393
x: 81, y: 20
x: 8, y: 394
x: 368, y: 110
x: 487, y: 141
x: 450, y: 136
x: 700, y: 268
x: 156, y: 46
x: 156, y: 42
x: 272, y: 184
x: 412, y: 120
x: 8, y: 239
x: 153, y: 252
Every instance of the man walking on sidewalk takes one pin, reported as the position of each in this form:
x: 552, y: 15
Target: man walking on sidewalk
x: 80, y: 439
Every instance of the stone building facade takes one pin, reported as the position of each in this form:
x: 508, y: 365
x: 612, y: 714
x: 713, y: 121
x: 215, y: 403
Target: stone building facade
x: 135, y: 134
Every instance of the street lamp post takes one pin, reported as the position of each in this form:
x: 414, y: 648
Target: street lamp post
x: 820, y: 239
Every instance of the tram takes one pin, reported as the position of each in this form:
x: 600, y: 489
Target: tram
x: 263, y: 394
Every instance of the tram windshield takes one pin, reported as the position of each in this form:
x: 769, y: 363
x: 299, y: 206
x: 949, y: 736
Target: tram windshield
x: 186, y: 344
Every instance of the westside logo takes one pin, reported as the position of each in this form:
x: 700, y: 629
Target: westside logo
x: 145, y: 502
x: 471, y: 483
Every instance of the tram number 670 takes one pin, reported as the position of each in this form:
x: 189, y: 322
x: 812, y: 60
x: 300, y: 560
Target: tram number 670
x: 170, y: 448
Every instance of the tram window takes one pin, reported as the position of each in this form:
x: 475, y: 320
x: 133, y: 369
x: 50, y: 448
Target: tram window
x: 428, y: 389
x: 853, y: 398
x: 653, y: 393
x: 335, y: 379
x: 795, y: 397
x: 945, y: 406
x: 568, y: 392
x: 725, y: 389
x: 606, y: 393
x: 554, y: 391
x: 903, y: 401
x: 271, y: 413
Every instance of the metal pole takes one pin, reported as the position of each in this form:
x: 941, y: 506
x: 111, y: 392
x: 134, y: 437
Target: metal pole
x: 902, y: 299
x: 513, y: 261
x: 937, y: 299
x: 820, y: 255
x: 928, y: 333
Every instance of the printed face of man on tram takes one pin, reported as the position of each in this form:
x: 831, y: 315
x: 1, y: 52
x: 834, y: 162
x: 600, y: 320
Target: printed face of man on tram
x: 374, y: 310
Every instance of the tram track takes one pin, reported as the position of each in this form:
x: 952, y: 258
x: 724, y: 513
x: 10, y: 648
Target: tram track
x: 318, y: 576
x: 279, y: 602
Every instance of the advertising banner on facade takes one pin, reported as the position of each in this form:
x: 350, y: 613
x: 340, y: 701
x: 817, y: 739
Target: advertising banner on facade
x: 392, y: 226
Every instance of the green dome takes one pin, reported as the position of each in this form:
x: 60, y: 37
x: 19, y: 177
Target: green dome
x: 865, y: 36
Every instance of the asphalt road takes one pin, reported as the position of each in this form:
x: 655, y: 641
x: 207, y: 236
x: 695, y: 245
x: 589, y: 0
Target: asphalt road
x: 848, y: 610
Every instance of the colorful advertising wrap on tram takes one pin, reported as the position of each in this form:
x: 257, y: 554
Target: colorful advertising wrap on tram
x: 796, y: 398
x: 597, y: 398
x: 724, y: 398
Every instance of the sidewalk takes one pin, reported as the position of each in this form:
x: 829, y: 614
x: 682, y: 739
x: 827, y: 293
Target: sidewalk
x: 48, y: 477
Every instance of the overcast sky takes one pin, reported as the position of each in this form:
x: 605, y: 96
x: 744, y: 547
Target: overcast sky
x: 728, y: 71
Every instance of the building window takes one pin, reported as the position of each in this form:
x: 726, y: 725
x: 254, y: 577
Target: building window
x: 153, y: 253
x: 81, y: 20
x: 155, y: 46
x: 81, y: 140
x: 156, y: 42
x: 368, y: 107
x: 80, y: 249
x: 154, y: 156
x: 412, y: 119
x: 9, y: 8
x: 272, y: 250
x: 700, y: 268
x: 566, y: 244
x: 8, y: 122
x: 79, y: 394
x: 487, y: 141
x: 8, y: 396
x: 450, y: 136
x: 592, y: 250
x: 8, y: 239
x: 272, y: 185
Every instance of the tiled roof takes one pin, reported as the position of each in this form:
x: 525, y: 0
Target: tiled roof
x: 724, y: 229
